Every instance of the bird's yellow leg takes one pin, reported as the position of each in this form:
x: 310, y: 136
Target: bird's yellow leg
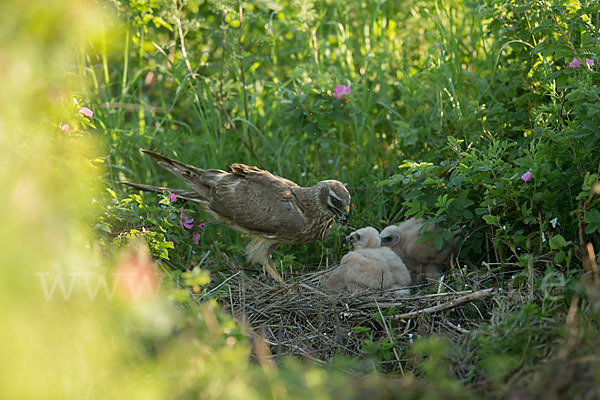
x: 269, y: 266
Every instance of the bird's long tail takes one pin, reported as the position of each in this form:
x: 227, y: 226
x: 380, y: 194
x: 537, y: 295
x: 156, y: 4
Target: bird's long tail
x: 172, y: 162
x: 188, y: 173
x: 184, y: 194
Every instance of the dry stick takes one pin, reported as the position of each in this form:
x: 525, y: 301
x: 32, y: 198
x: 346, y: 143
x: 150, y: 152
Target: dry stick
x: 221, y: 284
x: 593, y: 264
x: 250, y: 145
x: 481, y: 294
x: 185, y: 57
x: 458, y: 328
x: 405, y: 299
x: 571, y: 329
x: 581, y: 226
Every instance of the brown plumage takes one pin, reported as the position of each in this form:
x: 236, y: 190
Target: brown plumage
x: 270, y: 209
x: 368, y: 266
x: 422, y: 258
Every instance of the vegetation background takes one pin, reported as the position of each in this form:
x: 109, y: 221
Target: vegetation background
x: 451, y: 104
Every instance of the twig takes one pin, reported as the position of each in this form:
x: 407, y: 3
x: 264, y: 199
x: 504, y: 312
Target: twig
x: 424, y: 297
x: 458, y: 328
x: 130, y: 106
x: 250, y: 144
x: 221, y: 284
x: 593, y: 264
x: 571, y: 329
x: 203, y: 259
x: 304, y: 285
x: 481, y: 294
x: 182, y: 43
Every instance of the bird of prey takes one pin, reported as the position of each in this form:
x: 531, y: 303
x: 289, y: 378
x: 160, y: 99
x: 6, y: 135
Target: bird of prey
x: 368, y: 265
x: 421, y: 257
x: 269, y: 209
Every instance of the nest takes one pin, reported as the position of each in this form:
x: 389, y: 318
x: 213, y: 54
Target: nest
x: 302, y: 319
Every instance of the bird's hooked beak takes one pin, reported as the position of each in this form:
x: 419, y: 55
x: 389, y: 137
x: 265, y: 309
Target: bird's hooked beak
x: 350, y: 239
x: 344, y: 216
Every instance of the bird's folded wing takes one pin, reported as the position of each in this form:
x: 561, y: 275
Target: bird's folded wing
x: 258, y: 201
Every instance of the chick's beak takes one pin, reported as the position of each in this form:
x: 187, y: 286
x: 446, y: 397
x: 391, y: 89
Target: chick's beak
x: 350, y: 239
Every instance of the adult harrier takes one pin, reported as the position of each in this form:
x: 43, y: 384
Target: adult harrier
x: 269, y: 209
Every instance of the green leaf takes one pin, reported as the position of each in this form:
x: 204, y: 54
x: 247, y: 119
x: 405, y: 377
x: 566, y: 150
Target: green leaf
x: 438, y: 240
x: 558, y: 242
x: 491, y: 219
x: 592, y: 216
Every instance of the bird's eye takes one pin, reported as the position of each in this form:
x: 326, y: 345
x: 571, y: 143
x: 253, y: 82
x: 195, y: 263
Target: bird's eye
x: 358, y: 236
x: 386, y: 239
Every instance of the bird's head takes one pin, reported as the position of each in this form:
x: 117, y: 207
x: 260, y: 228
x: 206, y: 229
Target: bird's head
x: 365, y: 238
x: 334, y: 196
x: 390, y: 236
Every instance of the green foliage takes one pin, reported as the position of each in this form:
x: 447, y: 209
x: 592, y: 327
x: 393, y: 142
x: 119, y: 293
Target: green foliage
x: 535, y: 114
x: 515, y: 340
x: 450, y: 105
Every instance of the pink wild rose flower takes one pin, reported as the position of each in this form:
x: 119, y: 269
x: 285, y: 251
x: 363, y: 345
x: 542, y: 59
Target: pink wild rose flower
x: 341, y: 93
x: 65, y: 127
x: 86, y: 112
x: 196, y: 238
x: 185, y: 221
x: 172, y: 197
x: 575, y: 63
x: 527, y: 176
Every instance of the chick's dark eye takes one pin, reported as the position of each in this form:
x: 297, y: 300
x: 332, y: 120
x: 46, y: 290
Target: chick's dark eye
x: 386, y: 239
x: 358, y: 237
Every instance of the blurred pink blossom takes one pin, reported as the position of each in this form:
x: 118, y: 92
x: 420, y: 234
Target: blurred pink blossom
x: 527, y: 176
x: 137, y: 275
x: 185, y: 221
x: 86, y: 112
x: 341, y: 90
x: 65, y: 127
x: 172, y: 197
x: 196, y: 237
x: 172, y: 241
x: 575, y: 63
x: 589, y: 62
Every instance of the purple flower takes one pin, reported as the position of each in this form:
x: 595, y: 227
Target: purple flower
x: 196, y: 238
x: 527, y: 176
x: 200, y: 224
x: 575, y: 63
x: 172, y: 197
x: 185, y: 221
x: 589, y: 62
x: 341, y: 90
x: 172, y: 241
x: 86, y: 112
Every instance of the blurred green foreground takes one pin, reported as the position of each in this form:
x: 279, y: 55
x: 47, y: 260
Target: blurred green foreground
x: 69, y: 331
